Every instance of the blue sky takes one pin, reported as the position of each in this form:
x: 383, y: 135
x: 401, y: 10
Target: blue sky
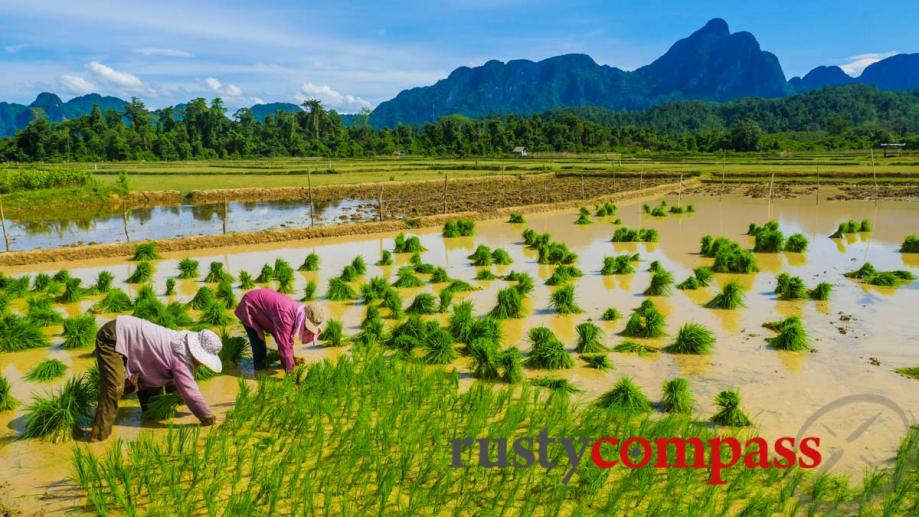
x: 354, y: 54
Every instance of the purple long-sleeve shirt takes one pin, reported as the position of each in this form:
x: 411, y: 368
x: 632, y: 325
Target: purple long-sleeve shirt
x: 158, y: 356
x: 265, y: 310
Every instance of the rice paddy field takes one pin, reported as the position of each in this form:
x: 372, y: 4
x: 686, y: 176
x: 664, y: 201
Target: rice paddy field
x: 700, y: 316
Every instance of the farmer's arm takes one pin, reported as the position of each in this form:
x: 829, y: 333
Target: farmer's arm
x: 285, y: 341
x: 185, y: 384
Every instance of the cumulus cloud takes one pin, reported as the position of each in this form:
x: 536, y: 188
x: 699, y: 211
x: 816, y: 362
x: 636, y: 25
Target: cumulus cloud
x: 114, y: 77
x: 331, y: 98
x: 77, y: 84
x: 230, y: 92
x: 855, y: 65
x: 163, y: 52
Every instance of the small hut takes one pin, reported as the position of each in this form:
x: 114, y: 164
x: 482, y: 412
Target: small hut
x: 520, y: 151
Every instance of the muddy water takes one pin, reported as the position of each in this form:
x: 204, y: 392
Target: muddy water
x: 781, y: 391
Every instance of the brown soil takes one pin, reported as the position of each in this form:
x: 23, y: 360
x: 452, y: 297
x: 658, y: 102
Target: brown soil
x: 828, y: 190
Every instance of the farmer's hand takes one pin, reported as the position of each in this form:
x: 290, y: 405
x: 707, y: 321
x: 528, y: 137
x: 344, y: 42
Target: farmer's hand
x: 209, y: 421
x: 298, y: 361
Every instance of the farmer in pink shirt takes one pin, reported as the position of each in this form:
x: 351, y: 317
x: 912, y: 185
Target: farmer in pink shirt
x: 264, y: 310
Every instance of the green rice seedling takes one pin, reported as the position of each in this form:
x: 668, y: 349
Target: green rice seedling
x: 333, y: 333
x: 690, y: 208
x: 385, y: 259
x: 216, y: 274
x: 733, y: 259
x: 461, y: 322
x: 796, y: 243
x: 460, y: 286
x: 438, y: 347
x: 234, y: 350
x: 481, y: 256
x: 583, y: 211
x: 624, y: 234
x: 374, y: 289
x: 655, y: 266
x: 563, y: 300
x: 516, y: 219
x: 416, y: 259
x: 225, y: 295
x: 910, y: 244
x: 7, y: 402
x: 40, y: 311
x: 868, y: 274
x: 484, y: 355
x: 703, y: 274
x: 143, y: 272
x: 246, y: 281
x: 359, y: 265
x: 730, y: 297
x: 460, y: 228
x: 912, y: 373
x: 188, y: 268
x: 425, y: 269
x: 611, y: 314
x: 424, y: 303
x: 73, y: 292
x: 510, y: 361
x: 706, y: 245
x: 789, y: 287
x: 563, y: 274
x: 524, y: 282
x: 79, y: 331
x: 547, y: 352
x: 340, y: 290
x: 348, y: 273
x: 103, y: 282
x: 675, y: 209
x: 114, y: 301
x: 285, y: 280
x: 509, y: 305
x: 61, y: 276
x: 645, y: 321
x: 692, y: 338
x: 677, y: 398
x: 411, y: 244
x: 162, y: 407
x: 439, y: 275
x: 626, y: 398
x: 631, y: 347
x: 310, y: 263
x: 445, y: 299
x: 372, y: 313
x: 215, y: 315
x: 18, y: 286
x: 409, y: 334
x: 486, y: 327
x: 485, y: 275
x: 863, y: 273
x: 174, y: 316
x: 690, y: 283
x: 46, y: 371
x: 500, y: 257
x: 821, y: 292
x: 529, y: 237
x: 864, y: 226
x: 450, y: 230
x: 661, y: 284
x: 392, y: 301
x: 597, y: 361
x: 40, y: 282
x: 265, y: 275
x: 590, y: 339
x: 769, y: 241
x: 556, y: 253
x: 281, y: 266
x: 145, y: 251
x: 753, y: 229
x: 604, y: 209
x: 57, y: 416
x: 583, y: 219
x: 792, y: 335
x: 203, y: 298
x: 658, y: 211
x: 618, y: 265
x: 405, y: 278
x: 170, y: 286
x: 730, y: 414
x: 557, y: 387
x: 372, y: 332
x: 309, y: 291
x: 146, y: 293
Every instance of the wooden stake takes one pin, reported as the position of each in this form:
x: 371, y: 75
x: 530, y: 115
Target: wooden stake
x: 124, y: 219
x: 680, y: 193
x: 723, y: 158
x: 818, y: 185
x: 6, y: 238
x: 226, y: 214
x: 874, y: 173
x: 380, y: 206
x: 445, y: 192
x: 309, y: 186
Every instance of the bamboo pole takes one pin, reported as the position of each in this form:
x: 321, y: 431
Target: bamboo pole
x: 380, y: 205
x: 309, y: 186
x: 445, y: 193
x: 6, y: 238
x: 226, y: 213
x: 818, y: 185
x: 124, y: 219
x: 874, y: 173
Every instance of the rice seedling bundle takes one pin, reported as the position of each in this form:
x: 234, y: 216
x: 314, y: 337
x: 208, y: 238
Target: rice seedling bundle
x: 309, y: 291
x: 618, y: 265
x: 790, y: 287
x: 215, y: 315
x: 115, y: 300
x: 145, y: 251
x: 509, y: 305
x: 703, y: 274
x: 245, y: 280
x: 730, y: 297
x: 406, y: 278
x: 216, y: 274
x: 658, y: 211
x: 372, y: 332
x: 143, y: 272
x: 374, y: 289
x: 438, y: 346
x: 583, y: 211
x: 796, y: 243
x: 690, y: 283
x: 610, y: 314
x: 460, y: 286
x: 485, y: 275
x: 409, y: 334
x: 392, y: 301
x: 7, y: 402
x: 310, y: 263
x: 359, y: 265
x: 677, y: 398
x: 486, y: 327
x: 821, y: 292
x: 203, y: 298
x: 655, y: 266
x: 851, y: 226
x: 769, y: 241
x: 865, y: 226
x: 524, y: 282
x: 170, y: 286
x: 912, y: 373
x: 58, y: 415
x: 730, y: 414
x: 225, y: 295
x: 385, y: 259
x: 46, y: 371
x: 590, y: 339
x: 340, y: 290
x: 460, y: 228
x: 547, y: 352
x: 631, y: 347
x: 556, y: 386
x: 624, y: 234
x: 173, y: 316
x: 40, y: 282
x: 605, y: 209
x: 516, y: 219
x: 556, y: 253
x: 792, y: 335
x: 285, y: 280
x: 481, y: 256
x: 103, y: 282
x: 265, y: 275
x: 72, y: 291
x: 234, y: 350
x: 676, y: 209
x: 645, y: 321
x: 563, y: 300
x: 510, y: 361
x: 868, y: 274
x: 188, y: 268
x: 692, y: 338
x: 445, y: 299
x: 597, y: 361
x: 731, y: 258
x: 40, y: 311
x: 61, y: 276
x: 500, y: 257
x: 281, y: 268
x: 661, y: 284
x: 626, y: 398
x: 17, y: 286
x: 333, y: 333
x: 583, y: 219
x: 163, y: 406
x: 910, y: 244
x: 425, y: 269
x: 348, y: 273
x: 460, y: 323
x: 146, y: 293
x: 411, y: 244
x: 424, y: 303
x: 439, y: 275
x: 79, y: 331
x: 484, y: 355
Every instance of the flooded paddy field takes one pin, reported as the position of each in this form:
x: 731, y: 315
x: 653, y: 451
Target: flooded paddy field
x: 859, y: 336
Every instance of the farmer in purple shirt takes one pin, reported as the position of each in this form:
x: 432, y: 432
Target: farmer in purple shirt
x: 136, y: 355
x: 264, y: 310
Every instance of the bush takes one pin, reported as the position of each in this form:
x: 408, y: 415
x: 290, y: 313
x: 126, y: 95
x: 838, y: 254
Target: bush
x: 509, y: 305
x: 424, y: 303
x: 730, y: 413
x: 57, y: 416
x: 188, y: 268
x: 730, y: 297
x: 142, y: 273
x: 590, y: 339
x: 563, y: 300
x: 216, y: 274
x: 625, y: 397
x: 547, y: 352
x: 910, y: 244
x: 146, y: 251
x: 340, y: 290
x: 115, y: 300
x: 79, y: 331
x: 46, y: 371
x: 677, y: 397
x: 797, y: 243
x: 646, y: 321
x: 692, y: 338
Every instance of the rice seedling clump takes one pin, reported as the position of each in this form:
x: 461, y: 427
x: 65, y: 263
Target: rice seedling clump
x: 246, y: 281
x: 792, y: 335
x: 103, y: 282
x: 485, y: 275
x: 563, y: 300
x: 115, y: 300
x: 604, y: 209
x: 46, y: 371
x: 309, y: 291
x: 203, y: 298
x: 143, y: 272
x: 692, y: 338
x: 170, y: 286
x: 265, y: 275
x: 590, y: 339
x: 677, y: 398
x: 868, y: 274
x: 225, y: 295
x: 40, y: 311
x: 820, y: 292
x: 730, y: 297
x: 547, y: 352
x: 145, y: 251
x: 215, y: 315
x: 500, y: 257
x: 481, y: 256
x: 516, y: 219
x: 188, y: 268
x: 661, y: 284
x: 411, y: 244
x: 556, y: 253
x: 558, y: 388
x: 340, y: 290
x: 406, y: 278
x: 216, y: 274
x: 72, y: 291
x: 459, y: 228
x: 79, y: 331
x: 611, y: 314
x: 563, y: 274
x: 645, y: 322
x: 509, y: 305
x: 385, y: 259
x: 618, y: 265
x: 912, y: 372
x: 438, y: 347
x: 624, y: 234
x: 7, y: 402
x: 851, y: 226
x: 796, y: 243
x: 57, y: 416
x: 632, y: 347
x: 626, y: 398
x: 333, y: 333
x: 910, y: 244
x: 730, y: 414
x: 392, y: 301
x: 597, y: 361
x: 583, y: 219
x: 310, y: 263
x: 424, y: 303
x: 790, y: 287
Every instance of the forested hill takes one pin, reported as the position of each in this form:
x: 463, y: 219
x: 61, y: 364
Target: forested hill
x: 852, y: 116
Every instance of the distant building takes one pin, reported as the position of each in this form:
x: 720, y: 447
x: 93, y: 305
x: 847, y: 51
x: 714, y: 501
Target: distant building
x: 520, y: 151
x: 398, y: 152
x: 893, y: 149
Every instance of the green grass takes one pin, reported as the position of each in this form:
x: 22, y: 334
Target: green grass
x: 646, y: 321
x: 46, y: 371
x: 677, y: 397
x: 729, y: 414
x: 563, y: 301
x: 731, y: 297
x: 58, y: 415
x: 547, y: 352
x: 145, y: 251
x: 590, y: 339
x: 626, y: 398
x: 692, y: 338
x: 79, y: 331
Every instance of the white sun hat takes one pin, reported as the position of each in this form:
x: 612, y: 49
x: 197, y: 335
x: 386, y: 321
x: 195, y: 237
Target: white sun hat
x: 205, y: 347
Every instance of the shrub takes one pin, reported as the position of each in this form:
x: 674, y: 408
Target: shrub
x: 7, y: 402
x: 797, y: 243
x: 340, y: 290
x: 618, y: 265
x: 385, y: 259
x: 730, y: 413
x: 597, y: 361
x: 792, y: 335
x: 677, y: 398
x: 424, y: 303
x: 820, y: 292
x: 58, y: 415
x: 481, y: 256
x: 692, y: 338
x: 625, y: 397
x: 661, y: 284
x: 332, y: 333
x: 79, y: 331
x: 730, y: 297
x: 46, y: 371
x: 406, y: 278
x: 516, y: 219
x: 563, y: 300
x: 103, y: 282
x: 309, y: 291
x: 143, y: 272
x: 547, y: 352
x: 790, y: 287
x: 188, y: 268
x: 203, y: 298
x: 509, y: 305
x: 646, y: 321
x: 611, y: 314
x: 590, y: 339
x: 265, y: 275
x: 115, y: 300
x: 145, y: 251
x: 910, y: 244
x: 216, y: 274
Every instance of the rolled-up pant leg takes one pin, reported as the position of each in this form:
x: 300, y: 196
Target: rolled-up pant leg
x: 111, y: 382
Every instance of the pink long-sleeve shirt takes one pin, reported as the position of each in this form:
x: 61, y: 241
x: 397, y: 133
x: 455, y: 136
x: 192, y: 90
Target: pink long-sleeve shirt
x: 158, y: 356
x: 269, y: 311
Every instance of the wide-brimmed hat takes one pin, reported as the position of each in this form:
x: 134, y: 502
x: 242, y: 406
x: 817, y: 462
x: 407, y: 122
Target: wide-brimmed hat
x: 315, y: 317
x: 205, y: 347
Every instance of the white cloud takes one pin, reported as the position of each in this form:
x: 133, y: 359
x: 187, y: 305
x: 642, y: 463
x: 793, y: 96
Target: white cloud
x: 77, y: 84
x: 331, y: 98
x: 855, y: 65
x: 164, y: 52
x: 116, y: 78
x: 13, y: 49
x: 230, y: 92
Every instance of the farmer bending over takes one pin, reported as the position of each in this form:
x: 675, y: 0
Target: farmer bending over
x: 136, y: 355
x: 264, y: 310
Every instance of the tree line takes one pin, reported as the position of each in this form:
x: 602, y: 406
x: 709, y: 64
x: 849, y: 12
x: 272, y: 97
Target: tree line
x: 848, y: 117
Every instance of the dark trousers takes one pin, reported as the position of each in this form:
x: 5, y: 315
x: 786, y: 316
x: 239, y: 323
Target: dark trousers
x: 259, y: 349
